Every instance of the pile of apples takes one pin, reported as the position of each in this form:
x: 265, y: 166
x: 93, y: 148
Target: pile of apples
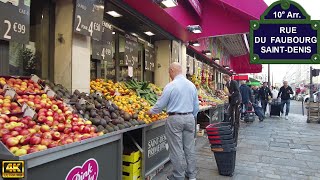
x: 7, y: 106
x: 55, y: 125
x: 36, y: 102
x: 22, y: 86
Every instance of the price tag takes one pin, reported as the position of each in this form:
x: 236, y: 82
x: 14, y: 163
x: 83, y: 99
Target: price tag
x: 102, y: 49
x: 149, y: 57
x: 131, y: 51
x: 10, y: 92
x: 6, y: 86
x: 99, y: 93
x: 35, y: 78
x: 24, y: 107
x: 82, y: 101
x: 51, y: 93
x: 15, y: 20
x: 29, y: 112
x: 130, y: 71
x: 46, y: 88
x: 88, y: 18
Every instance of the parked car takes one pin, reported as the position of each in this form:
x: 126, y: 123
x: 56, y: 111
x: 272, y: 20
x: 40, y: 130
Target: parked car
x: 307, y: 97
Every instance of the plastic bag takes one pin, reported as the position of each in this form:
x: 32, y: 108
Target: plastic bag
x: 268, y: 109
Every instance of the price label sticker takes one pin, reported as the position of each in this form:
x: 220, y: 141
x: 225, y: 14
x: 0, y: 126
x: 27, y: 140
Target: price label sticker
x: 51, y: 93
x: 24, y: 107
x: 10, y: 92
x: 46, y: 88
x: 82, y: 101
x: 35, y: 78
x: 29, y: 112
x: 6, y: 86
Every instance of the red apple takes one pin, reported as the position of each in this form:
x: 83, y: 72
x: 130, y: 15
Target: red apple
x: 45, y: 128
x: 12, y: 141
x: 56, y: 136
x: 5, y: 137
x: 4, y: 132
x: 23, y: 132
x: 55, y: 122
x: 18, y: 128
x: 42, y: 118
x: 32, y: 150
x: 13, y: 118
x: 59, y: 111
x: 2, y: 121
x: 31, y: 124
x: 47, y: 135
x: 34, y: 140
x: 69, y: 140
x: 75, y: 128
x: 36, y: 127
x: 93, y: 129
x: 61, y: 127
x: 74, y: 123
x: 32, y: 131
x: 26, y: 147
x: 61, y: 118
x: 25, y: 140
x: 53, y: 144
x: 46, y: 142
x: 24, y: 121
x: 54, y: 107
x: 38, y: 107
x: 67, y: 130
x: 87, y: 129
x: 49, y: 118
x: 49, y: 123
x: 68, y: 112
x: 14, y: 133
x: 5, y: 117
x: 13, y: 149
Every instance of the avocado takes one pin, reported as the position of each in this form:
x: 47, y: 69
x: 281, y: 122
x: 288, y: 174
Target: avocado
x: 111, y: 109
x: 95, y: 121
x: 76, y: 92
x: 121, y: 126
x: 99, y: 99
x: 103, y: 122
x: 130, y: 124
x: 141, y: 122
x: 106, y: 113
x: 135, y: 116
x: 114, y: 115
x: 125, y: 124
x: 100, y: 128
x: 115, y: 106
x: 105, y: 131
x: 126, y: 117
x: 109, y: 128
x: 93, y: 114
x: 116, y: 128
x: 135, y: 122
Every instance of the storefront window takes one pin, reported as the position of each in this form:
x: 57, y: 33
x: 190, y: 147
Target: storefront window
x: 32, y: 58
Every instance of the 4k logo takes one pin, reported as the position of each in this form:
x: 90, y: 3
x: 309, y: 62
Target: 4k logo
x: 13, y: 169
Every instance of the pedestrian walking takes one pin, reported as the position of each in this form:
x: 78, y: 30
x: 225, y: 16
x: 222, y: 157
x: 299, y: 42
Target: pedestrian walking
x: 274, y: 93
x: 284, y: 93
x: 246, y: 95
x: 234, y: 102
x: 264, y: 93
x: 180, y: 97
x: 255, y: 94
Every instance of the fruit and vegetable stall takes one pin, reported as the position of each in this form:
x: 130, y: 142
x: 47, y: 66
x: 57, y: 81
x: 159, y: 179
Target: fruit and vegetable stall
x: 46, y: 125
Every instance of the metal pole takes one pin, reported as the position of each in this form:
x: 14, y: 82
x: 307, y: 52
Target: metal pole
x: 269, y: 75
x: 310, y: 87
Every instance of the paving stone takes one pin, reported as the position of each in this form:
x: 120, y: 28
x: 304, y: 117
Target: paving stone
x: 244, y: 177
x: 307, y: 157
x: 314, y: 147
x: 285, y: 162
x: 280, y: 140
x: 272, y: 154
x: 273, y: 176
x: 276, y: 144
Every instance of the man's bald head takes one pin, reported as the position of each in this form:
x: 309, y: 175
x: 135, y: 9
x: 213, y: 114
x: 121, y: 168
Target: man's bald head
x: 174, y: 70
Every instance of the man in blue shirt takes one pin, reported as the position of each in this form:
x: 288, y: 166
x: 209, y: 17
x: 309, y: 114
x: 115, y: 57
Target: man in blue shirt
x: 180, y: 97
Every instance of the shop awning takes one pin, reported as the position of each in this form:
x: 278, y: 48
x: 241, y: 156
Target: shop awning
x: 241, y: 65
x: 254, y: 83
x: 254, y: 80
x: 218, y: 17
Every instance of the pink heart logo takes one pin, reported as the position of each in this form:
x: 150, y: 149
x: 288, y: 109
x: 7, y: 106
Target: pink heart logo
x: 88, y: 171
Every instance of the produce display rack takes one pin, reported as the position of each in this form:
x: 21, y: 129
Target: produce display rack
x: 313, y: 112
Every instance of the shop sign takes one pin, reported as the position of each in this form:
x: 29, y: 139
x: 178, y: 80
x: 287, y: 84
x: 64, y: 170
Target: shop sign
x: 157, y: 147
x: 102, y: 49
x: 149, y: 54
x: 131, y: 51
x: 15, y: 20
x: 88, y: 171
x: 175, y: 51
x: 285, y: 35
x: 88, y: 18
x: 196, y: 6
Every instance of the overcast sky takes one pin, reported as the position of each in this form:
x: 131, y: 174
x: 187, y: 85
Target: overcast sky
x: 312, y: 8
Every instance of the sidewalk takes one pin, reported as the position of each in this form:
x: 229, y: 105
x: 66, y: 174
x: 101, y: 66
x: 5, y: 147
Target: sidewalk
x: 274, y: 149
